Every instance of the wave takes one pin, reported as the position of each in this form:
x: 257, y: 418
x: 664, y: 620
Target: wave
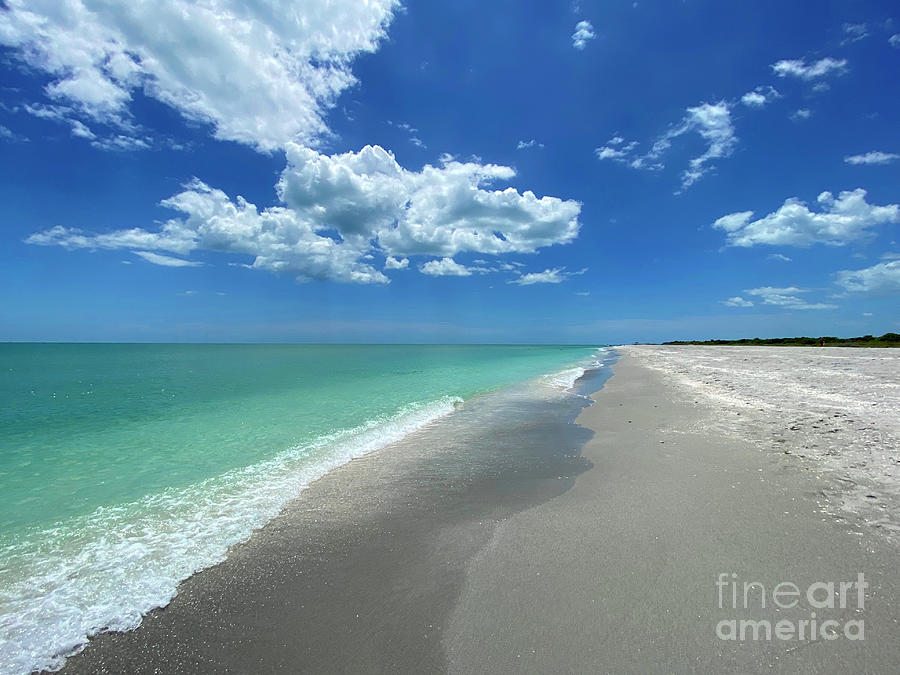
x: 104, y: 571
x: 564, y: 379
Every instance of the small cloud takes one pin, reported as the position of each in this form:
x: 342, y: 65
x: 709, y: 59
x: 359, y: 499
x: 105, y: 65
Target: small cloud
x: 760, y: 96
x: 584, y: 33
x: 221, y: 293
x: 778, y: 256
x: 881, y: 277
x: 737, y: 301
x: 549, y: 276
x: 187, y: 293
x: 867, y: 314
x: 522, y: 145
x: 874, y: 157
x: 166, y: 260
x: 583, y: 294
x: 809, y: 71
x: 801, y: 114
x: 392, y: 263
x: 753, y: 99
x: 445, y: 267
x: 854, y: 32
x: 894, y: 41
x: 7, y: 134
x: 785, y: 298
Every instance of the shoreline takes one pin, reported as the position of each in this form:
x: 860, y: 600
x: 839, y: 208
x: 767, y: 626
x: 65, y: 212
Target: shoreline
x: 360, y: 572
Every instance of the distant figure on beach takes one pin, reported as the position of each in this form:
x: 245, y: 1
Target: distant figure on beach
x: 821, y: 342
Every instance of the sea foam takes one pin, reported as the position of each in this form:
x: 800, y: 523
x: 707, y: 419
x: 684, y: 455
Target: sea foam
x: 103, y: 572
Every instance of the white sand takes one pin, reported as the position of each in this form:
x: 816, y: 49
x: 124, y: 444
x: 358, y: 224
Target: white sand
x: 617, y: 575
x: 837, y: 409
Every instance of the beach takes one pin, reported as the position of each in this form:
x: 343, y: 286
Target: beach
x: 602, y: 555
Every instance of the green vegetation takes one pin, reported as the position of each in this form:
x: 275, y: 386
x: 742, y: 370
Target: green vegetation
x: 886, y: 340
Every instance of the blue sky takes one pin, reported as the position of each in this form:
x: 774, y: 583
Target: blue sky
x: 429, y: 172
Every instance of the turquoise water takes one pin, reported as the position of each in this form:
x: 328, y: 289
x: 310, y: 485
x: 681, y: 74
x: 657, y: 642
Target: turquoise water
x: 126, y: 468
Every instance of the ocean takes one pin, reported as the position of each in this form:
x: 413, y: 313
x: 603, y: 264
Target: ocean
x: 124, y: 469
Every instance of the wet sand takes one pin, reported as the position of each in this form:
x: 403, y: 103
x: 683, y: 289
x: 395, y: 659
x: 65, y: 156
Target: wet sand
x: 533, y: 561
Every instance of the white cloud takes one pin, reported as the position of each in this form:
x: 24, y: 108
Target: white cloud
x: 338, y: 209
x: 261, y: 75
x: 845, y: 219
x: 854, y: 32
x: 894, y: 40
x: 801, y: 114
x: 549, y: 276
x: 809, y: 71
x: 881, y: 277
x: 760, y: 96
x: 523, y: 145
x: 392, y: 263
x: 875, y: 157
x: 7, y: 134
x: 711, y: 121
x: 166, y: 260
x: 412, y: 131
x: 445, y: 267
x: 737, y: 301
x: 785, y: 297
x: 778, y: 256
x: 753, y: 99
x: 584, y: 33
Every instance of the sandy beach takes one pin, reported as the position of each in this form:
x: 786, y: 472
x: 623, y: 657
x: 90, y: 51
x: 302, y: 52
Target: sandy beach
x: 619, y: 573
x: 573, y: 548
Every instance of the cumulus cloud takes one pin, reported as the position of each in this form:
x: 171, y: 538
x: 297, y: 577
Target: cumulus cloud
x: 801, y: 114
x: 809, y: 71
x: 337, y: 210
x: 584, y: 33
x: 711, y: 121
x: 785, y: 298
x: 874, y: 157
x: 737, y: 301
x: 259, y: 76
x: 760, y: 96
x: 445, y: 267
x: 549, y: 276
x: 392, y: 263
x: 881, y: 277
x: 778, y: 256
x: 894, y: 40
x: 166, y: 260
x: 841, y: 220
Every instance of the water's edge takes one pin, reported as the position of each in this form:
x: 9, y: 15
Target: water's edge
x: 418, y: 499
